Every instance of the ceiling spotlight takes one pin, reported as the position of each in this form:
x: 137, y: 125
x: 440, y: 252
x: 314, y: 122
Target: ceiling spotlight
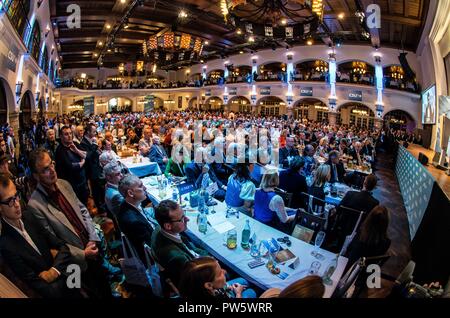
x: 241, y: 52
x: 206, y: 42
x: 95, y: 55
x: 341, y: 16
x: 109, y: 50
x: 238, y: 31
x: 126, y: 26
x: 100, y: 43
x: 108, y: 26
x: 310, y: 42
x: 123, y: 1
x: 201, y: 61
x: 283, y: 21
x: 251, y: 39
x: 182, y: 14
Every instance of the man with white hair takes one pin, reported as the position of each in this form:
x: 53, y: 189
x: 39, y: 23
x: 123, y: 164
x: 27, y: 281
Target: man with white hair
x: 158, y: 154
x: 113, y: 198
x: 50, y: 143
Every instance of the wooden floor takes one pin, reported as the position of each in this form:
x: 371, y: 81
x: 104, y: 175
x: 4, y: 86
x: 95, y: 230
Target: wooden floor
x: 388, y: 193
x: 439, y: 175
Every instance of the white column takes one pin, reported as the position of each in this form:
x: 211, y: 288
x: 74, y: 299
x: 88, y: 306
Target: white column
x: 332, y: 99
x: 254, y: 66
x: 379, y: 87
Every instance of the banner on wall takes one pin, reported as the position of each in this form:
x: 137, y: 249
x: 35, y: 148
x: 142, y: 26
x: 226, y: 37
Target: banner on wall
x: 88, y: 103
x: 264, y: 90
x: 306, y: 91
x: 208, y: 93
x: 355, y: 95
x: 149, y: 103
x: 429, y: 106
x: 180, y: 101
x: 232, y: 91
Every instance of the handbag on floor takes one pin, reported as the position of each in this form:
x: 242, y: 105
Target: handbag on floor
x: 153, y: 272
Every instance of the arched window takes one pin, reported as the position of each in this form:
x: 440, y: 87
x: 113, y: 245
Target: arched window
x: 44, y: 61
x: 17, y: 11
x: 35, y: 41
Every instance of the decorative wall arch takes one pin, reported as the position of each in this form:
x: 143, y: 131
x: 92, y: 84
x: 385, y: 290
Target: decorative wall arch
x: 239, y: 103
x: 119, y: 103
x: 271, y: 105
x: 193, y: 103
x: 309, y: 60
x: 212, y: 97
x: 309, y: 99
x: 354, y: 60
x: 409, y: 122
x: 258, y: 102
x: 348, y: 102
x: 208, y: 106
x: 238, y: 97
x: 9, y: 99
x: 26, y: 110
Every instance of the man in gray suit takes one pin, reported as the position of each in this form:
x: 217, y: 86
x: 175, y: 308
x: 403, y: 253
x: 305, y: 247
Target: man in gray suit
x: 113, y: 198
x: 57, y: 208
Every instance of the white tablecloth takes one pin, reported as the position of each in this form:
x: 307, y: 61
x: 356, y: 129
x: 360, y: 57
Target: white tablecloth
x: 239, y: 258
x: 141, y: 169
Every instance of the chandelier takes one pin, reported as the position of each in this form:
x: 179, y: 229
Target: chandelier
x: 172, y: 47
x: 396, y: 72
x: 321, y: 66
x: 359, y: 68
x: 281, y: 19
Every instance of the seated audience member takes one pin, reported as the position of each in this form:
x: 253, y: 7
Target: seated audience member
x: 133, y: 221
x: 357, y: 153
x: 34, y: 254
x: 288, y: 152
x: 113, y: 198
x: 56, y: 206
x: 203, y: 278
x: 321, y: 176
x: 171, y: 247
x: 146, y: 141
x: 176, y: 168
x: 336, y: 167
x: 107, y: 147
x: 158, y: 154
x: 269, y: 206
x: 361, y: 201
x: 110, y: 138
x: 372, y: 238
x: 292, y: 181
x: 201, y: 176
x: 308, y: 287
x: 132, y: 140
x: 240, y: 189
x: 70, y: 164
x: 23, y: 184
x: 310, y: 161
x: 343, y: 147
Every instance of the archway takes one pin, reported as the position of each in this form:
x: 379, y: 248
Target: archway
x: 273, y: 71
x: 311, y: 109
x: 394, y: 77
x: 313, y: 70
x: 41, y: 109
x: 271, y: 106
x: 356, y: 114
x: 239, y: 104
x: 356, y: 72
x: 399, y: 119
x: 215, y: 77
x: 240, y: 74
x: 3, y: 102
x: 193, y: 103
x: 26, y: 106
x: 213, y: 103
x: 119, y: 104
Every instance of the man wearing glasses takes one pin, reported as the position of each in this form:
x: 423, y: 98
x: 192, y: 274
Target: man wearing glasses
x: 35, y: 255
x: 58, y: 209
x: 172, y: 248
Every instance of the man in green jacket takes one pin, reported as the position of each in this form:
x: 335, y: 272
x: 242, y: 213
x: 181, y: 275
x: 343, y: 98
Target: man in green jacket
x: 171, y: 247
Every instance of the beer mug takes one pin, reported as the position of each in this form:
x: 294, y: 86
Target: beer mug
x: 231, y: 239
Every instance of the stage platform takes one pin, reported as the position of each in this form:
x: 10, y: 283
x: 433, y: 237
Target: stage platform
x: 442, y: 179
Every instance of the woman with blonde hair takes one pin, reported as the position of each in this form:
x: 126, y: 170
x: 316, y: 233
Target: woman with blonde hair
x: 269, y: 206
x: 321, y: 176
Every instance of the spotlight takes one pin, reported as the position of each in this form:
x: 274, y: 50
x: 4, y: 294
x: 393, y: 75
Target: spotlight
x: 310, y: 42
x: 108, y: 26
x: 206, y: 42
x: 241, y: 52
x: 182, y: 14
x: 238, y: 31
x: 341, y: 15
x: 251, y: 39
x: 100, y: 43
x: 283, y: 21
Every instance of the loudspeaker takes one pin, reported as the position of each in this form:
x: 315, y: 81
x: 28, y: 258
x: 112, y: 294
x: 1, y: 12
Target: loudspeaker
x: 423, y: 159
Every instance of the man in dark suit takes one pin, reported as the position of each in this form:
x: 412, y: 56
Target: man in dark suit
x: 337, y: 168
x: 287, y: 152
x: 362, y: 201
x: 172, y: 248
x: 292, y: 181
x: 70, y: 164
x: 133, y: 221
x: 35, y: 255
x: 200, y: 175
x: 158, y: 154
x: 93, y: 167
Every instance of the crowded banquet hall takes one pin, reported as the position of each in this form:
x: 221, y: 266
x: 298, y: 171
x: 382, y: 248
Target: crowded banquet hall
x: 212, y: 150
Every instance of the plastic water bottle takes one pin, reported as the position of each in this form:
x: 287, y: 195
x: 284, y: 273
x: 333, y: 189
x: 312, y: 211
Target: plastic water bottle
x: 246, y: 235
x: 175, y: 194
x: 202, y: 223
x: 330, y: 270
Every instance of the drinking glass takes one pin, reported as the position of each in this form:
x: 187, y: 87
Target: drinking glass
x: 231, y: 239
x: 320, y: 237
x: 314, y: 268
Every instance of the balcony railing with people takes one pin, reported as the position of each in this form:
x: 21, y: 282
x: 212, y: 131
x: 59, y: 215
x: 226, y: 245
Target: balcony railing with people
x: 125, y: 85
x: 401, y: 84
x: 309, y: 76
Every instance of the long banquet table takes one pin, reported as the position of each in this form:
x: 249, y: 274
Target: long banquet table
x: 238, y: 259
x: 141, y: 169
